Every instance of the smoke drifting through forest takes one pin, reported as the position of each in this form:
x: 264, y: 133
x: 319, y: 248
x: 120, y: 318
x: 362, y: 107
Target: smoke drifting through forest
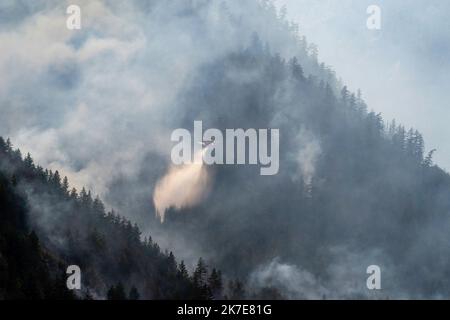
x: 143, y: 68
x: 183, y: 186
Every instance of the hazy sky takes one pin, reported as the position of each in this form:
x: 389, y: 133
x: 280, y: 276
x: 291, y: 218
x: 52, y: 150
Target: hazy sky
x: 402, y: 69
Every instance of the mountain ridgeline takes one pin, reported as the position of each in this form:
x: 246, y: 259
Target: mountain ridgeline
x: 352, y: 190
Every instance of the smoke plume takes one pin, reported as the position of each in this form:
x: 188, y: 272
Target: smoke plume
x: 308, y: 153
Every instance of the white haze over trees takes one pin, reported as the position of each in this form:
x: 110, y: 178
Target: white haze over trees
x: 99, y: 105
x: 403, y: 68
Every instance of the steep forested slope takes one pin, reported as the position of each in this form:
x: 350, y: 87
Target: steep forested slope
x: 352, y: 190
x: 27, y: 271
x: 45, y: 227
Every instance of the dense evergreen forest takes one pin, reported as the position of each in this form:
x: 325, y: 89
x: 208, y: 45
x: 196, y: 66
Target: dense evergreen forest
x: 115, y: 262
x: 353, y: 189
x: 351, y: 186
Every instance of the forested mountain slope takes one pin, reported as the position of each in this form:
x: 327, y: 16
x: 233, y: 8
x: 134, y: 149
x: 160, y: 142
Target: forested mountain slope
x: 45, y: 227
x: 352, y: 190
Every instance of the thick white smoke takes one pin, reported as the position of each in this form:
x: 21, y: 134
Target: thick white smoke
x: 292, y: 281
x: 344, y: 278
x: 307, y: 156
